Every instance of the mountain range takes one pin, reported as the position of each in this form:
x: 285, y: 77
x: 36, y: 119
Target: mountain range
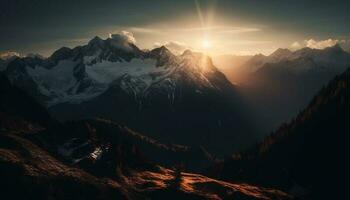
x: 108, y: 120
x: 181, y: 99
x: 280, y: 85
x: 333, y: 57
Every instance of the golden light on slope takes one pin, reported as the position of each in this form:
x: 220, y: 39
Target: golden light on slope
x: 198, y: 185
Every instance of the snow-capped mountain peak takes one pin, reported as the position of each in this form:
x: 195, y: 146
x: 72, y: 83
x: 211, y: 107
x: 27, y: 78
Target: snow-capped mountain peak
x: 84, y: 72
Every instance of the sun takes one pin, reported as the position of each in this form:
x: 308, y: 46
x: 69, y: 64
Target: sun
x: 206, y: 44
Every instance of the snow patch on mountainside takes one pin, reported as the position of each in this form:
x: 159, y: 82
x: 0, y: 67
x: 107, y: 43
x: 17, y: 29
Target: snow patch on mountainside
x: 55, y: 82
x: 106, y: 72
x: 59, y: 79
x: 60, y: 84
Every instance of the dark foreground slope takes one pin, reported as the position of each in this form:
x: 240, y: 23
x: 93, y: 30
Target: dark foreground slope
x: 34, y: 164
x: 28, y: 172
x: 308, y: 156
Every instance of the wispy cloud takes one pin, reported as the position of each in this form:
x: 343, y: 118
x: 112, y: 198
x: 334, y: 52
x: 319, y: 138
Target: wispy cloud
x: 213, y: 29
x: 321, y: 44
x: 144, y: 30
x: 296, y: 45
x: 123, y: 37
x: 235, y: 30
x: 220, y: 29
x: 249, y: 42
x: 8, y: 54
x: 73, y: 40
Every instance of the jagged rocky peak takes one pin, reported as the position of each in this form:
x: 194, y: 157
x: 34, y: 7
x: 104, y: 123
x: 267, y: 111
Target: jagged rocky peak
x: 333, y: 56
x: 61, y: 54
x: 161, y: 51
x: 94, y: 46
x: 187, y: 52
x: 337, y: 49
x: 198, y: 61
x: 9, y: 55
x: 35, y: 55
x: 259, y: 55
x: 280, y: 52
x: 116, y: 48
x: 306, y: 51
x: 96, y: 41
x: 163, y: 56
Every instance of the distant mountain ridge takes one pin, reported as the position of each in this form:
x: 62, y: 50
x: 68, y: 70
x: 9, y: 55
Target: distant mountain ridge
x: 330, y: 56
x: 286, y: 81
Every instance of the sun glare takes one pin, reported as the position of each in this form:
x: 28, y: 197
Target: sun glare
x: 206, y: 44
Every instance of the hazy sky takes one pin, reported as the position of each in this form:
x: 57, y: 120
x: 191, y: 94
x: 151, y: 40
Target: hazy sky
x: 219, y: 27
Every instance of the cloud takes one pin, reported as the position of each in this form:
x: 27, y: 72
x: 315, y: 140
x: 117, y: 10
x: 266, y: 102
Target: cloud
x: 214, y: 29
x: 122, y: 40
x: 248, y: 42
x: 220, y: 29
x: 8, y: 54
x: 321, y: 44
x: 296, y: 45
x: 174, y: 46
x: 345, y: 44
x: 236, y: 30
x: 123, y: 37
x: 145, y: 30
